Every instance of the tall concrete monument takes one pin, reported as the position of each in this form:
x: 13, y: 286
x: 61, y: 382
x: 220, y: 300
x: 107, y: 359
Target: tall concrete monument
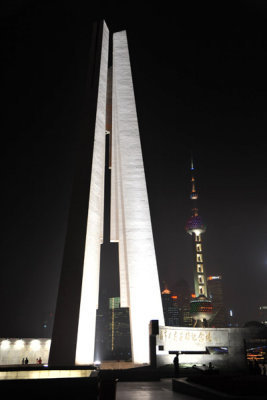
x: 73, y: 337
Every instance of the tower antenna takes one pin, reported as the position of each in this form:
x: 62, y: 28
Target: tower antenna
x: 192, y: 162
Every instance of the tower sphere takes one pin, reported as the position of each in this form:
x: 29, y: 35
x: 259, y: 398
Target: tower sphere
x: 195, y: 225
x: 201, y: 308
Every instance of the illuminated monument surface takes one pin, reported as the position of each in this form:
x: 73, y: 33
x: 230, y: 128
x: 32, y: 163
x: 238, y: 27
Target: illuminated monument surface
x: 73, y: 338
x: 130, y: 222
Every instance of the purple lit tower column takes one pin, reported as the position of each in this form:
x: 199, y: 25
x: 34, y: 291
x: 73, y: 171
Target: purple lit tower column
x: 200, y: 306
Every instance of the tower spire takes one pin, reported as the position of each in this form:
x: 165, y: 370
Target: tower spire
x: 193, y: 195
x: 192, y: 162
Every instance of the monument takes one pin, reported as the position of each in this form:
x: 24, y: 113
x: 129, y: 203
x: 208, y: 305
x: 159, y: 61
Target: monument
x: 73, y: 338
x: 109, y: 108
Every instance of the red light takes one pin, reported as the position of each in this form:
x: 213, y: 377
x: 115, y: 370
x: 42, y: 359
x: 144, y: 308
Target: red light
x: 193, y: 295
x: 174, y: 297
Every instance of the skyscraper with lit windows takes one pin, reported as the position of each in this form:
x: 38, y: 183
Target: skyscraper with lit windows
x: 215, y: 290
x: 113, y: 338
x: 184, y: 294
x: 170, y: 308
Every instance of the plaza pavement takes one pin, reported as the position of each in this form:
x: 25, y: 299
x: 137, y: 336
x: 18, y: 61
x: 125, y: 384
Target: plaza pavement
x: 158, y: 390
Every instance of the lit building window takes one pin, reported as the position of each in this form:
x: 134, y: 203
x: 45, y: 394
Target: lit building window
x: 200, y: 279
x: 199, y: 258
x: 199, y: 268
x: 198, y: 238
x: 199, y: 247
x: 200, y: 290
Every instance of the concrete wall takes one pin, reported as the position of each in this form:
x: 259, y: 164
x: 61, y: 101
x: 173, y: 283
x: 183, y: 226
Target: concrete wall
x: 199, y: 339
x: 13, y: 350
x: 188, y: 360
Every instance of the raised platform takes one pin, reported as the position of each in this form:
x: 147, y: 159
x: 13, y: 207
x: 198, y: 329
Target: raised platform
x: 235, y: 387
x: 120, y: 365
x: 36, y: 373
x: 42, y: 383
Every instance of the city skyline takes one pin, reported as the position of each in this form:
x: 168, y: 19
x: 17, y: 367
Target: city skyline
x: 199, y: 87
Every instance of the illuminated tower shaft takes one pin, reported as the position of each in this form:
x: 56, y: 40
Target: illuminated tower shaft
x: 129, y: 213
x: 200, y: 282
x: 201, y: 305
x: 73, y: 339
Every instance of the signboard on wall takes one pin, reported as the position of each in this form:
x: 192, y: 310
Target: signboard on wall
x: 191, y: 339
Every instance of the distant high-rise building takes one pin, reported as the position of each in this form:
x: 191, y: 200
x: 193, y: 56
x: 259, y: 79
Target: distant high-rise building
x: 200, y: 306
x: 113, y: 338
x: 263, y: 314
x: 170, y: 308
x: 215, y: 291
x: 184, y: 294
x: 119, y: 330
x: 231, y: 320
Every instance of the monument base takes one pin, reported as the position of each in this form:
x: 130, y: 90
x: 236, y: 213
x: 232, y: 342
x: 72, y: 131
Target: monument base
x: 224, y: 348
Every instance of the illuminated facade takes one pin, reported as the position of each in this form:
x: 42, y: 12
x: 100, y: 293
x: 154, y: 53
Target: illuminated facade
x: 170, y: 308
x: 130, y: 222
x: 13, y: 350
x: 183, y: 292
x: 263, y: 314
x: 215, y: 291
x: 113, y: 339
x: 200, y: 306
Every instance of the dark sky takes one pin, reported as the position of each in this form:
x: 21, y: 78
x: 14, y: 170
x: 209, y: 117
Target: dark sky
x: 199, y: 76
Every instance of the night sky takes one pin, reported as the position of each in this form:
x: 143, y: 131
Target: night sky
x: 200, y: 83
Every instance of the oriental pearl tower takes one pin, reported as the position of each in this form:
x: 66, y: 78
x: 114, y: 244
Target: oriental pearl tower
x: 200, y: 306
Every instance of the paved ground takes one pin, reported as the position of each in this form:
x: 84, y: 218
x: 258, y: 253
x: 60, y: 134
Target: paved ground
x: 119, y: 365
x: 161, y: 390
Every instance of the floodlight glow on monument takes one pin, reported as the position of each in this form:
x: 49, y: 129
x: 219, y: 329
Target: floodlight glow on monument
x: 19, y: 344
x: 94, y: 235
x: 130, y: 223
x: 35, y: 344
x: 5, y: 344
